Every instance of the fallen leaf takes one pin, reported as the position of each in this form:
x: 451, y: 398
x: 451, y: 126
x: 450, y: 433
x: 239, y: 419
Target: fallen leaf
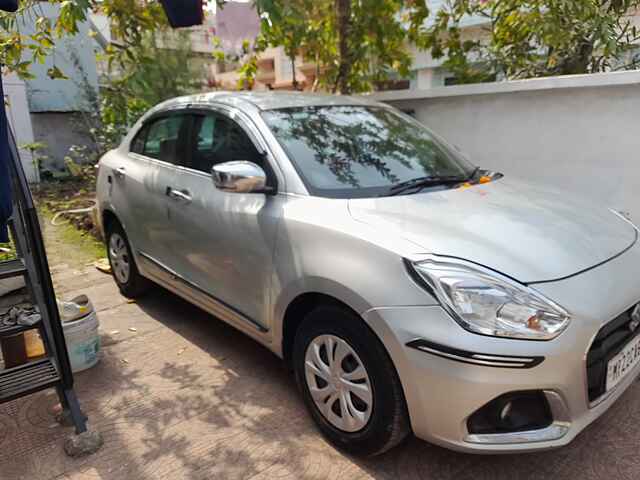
x: 124, y: 360
x: 131, y: 300
x: 181, y: 351
x: 133, y: 329
x: 102, y: 265
x: 114, y: 332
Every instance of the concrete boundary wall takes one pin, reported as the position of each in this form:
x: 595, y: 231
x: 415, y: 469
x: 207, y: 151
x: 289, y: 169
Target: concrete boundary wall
x: 580, y: 133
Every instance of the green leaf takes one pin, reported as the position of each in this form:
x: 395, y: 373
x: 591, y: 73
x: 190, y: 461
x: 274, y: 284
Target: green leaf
x: 56, y: 74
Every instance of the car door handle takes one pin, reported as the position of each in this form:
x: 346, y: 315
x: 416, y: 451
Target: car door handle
x: 181, y: 196
x: 119, y: 172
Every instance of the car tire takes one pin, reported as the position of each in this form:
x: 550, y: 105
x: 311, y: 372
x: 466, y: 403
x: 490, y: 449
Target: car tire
x: 123, y: 266
x: 368, y: 429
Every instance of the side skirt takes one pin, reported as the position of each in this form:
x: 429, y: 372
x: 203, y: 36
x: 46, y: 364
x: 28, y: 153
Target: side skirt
x: 195, y: 294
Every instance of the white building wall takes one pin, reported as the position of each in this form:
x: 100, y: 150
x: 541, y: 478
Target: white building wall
x: 75, y: 56
x: 580, y: 133
x: 15, y: 93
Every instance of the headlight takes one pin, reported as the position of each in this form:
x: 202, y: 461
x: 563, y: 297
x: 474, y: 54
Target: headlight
x: 485, y: 302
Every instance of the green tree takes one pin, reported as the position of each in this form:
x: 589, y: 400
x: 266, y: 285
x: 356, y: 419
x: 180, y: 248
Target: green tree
x: 129, y: 20
x: 141, y: 73
x: 535, y: 38
x: 160, y: 67
x: 289, y: 30
x: 357, y: 45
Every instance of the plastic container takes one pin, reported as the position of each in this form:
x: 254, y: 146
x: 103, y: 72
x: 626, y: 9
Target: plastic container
x: 33, y: 344
x: 14, y: 352
x: 83, y: 341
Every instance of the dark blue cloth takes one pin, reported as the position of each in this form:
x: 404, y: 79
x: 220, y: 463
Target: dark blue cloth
x: 9, y: 5
x: 183, y: 13
x: 5, y: 184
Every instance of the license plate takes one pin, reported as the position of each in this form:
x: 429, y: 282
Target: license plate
x: 623, y: 363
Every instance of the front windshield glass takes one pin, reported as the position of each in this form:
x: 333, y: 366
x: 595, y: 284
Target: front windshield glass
x: 360, y: 151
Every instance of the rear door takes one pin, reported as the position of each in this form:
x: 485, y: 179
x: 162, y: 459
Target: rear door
x: 155, y: 155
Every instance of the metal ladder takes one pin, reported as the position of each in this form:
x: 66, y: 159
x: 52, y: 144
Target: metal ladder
x: 54, y: 370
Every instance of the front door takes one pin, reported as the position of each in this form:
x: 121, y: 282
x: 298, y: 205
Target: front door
x: 225, y: 240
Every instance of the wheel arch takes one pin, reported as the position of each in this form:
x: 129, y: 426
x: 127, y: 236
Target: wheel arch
x: 295, y: 313
x: 296, y: 302
x: 108, y: 217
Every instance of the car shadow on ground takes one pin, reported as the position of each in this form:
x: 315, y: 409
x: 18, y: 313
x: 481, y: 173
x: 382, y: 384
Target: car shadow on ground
x: 188, y: 396
x: 250, y: 389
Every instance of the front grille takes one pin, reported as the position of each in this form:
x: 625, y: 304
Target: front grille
x: 608, y: 342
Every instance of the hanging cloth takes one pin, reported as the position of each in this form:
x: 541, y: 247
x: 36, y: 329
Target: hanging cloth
x: 5, y: 183
x: 183, y: 13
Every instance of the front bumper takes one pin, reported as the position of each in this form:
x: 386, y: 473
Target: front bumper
x: 443, y: 392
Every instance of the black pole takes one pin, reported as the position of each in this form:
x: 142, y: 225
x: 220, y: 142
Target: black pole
x: 36, y: 244
x: 10, y: 159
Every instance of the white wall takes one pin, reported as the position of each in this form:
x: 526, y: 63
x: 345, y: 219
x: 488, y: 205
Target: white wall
x: 580, y: 133
x: 15, y: 93
x: 75, y: 56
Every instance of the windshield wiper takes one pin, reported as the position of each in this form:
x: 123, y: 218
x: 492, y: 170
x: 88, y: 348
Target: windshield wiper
x: 423, y: 182
x: 473, y: 174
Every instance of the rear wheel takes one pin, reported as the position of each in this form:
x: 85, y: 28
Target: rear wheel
x: 348, y: 382
x: 123, y: 266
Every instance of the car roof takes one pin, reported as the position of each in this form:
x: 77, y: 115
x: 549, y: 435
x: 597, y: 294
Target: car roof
x: 266, y: 100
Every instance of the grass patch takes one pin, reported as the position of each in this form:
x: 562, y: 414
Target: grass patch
x: 66, y: 242
x: 7, y: 252
x: 71, y: 194
x: 84, y: 241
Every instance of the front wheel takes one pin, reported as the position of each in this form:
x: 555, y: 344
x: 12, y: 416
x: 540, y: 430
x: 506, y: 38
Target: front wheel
x: 348, y: 382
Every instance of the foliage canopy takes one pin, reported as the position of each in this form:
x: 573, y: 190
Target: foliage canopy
x: 356, y: 45
x: 360, y: 45
x: 535, y: 38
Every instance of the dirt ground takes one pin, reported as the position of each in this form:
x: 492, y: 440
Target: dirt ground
x: 178, y: 394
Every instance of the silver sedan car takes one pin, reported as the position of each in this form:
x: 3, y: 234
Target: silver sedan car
x: 409, y: 290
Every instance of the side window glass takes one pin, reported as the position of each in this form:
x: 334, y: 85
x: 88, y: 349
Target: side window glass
x: 137, y: 145
x: 162, y: 139
x: 219, y: 139
x: 240, y: 147
x: 205, y: 134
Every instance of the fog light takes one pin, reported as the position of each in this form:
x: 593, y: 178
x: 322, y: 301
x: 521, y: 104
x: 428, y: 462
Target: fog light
x: 512, y: 412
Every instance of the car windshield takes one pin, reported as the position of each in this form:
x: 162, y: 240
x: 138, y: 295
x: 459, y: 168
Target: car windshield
x: 361, y: 151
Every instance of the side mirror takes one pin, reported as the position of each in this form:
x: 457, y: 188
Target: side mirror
x: 239, y: 177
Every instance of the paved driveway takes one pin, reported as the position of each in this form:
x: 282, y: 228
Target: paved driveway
x: 185, y: 396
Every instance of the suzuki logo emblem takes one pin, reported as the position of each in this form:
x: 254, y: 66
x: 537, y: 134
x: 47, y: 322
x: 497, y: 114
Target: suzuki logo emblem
x: 635, y: 318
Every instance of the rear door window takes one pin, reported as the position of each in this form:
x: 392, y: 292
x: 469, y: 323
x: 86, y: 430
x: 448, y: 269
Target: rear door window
x: 137, y: 144
x: 164, y: 139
